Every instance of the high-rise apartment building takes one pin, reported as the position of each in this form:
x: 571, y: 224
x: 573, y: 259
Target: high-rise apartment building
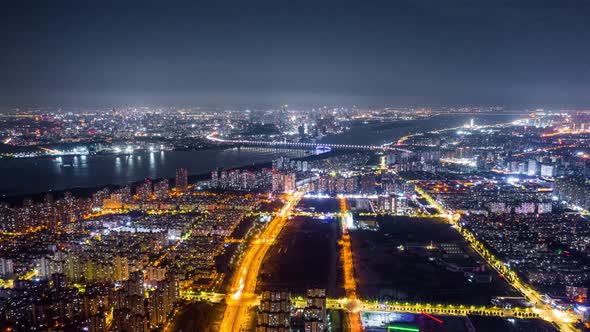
x: 181, y: 179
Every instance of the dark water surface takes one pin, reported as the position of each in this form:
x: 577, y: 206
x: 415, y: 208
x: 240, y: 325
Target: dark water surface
x: 34, y: 175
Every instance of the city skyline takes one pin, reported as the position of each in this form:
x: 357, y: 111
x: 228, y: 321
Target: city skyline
x: 303, y: 166
x: 323, y: 220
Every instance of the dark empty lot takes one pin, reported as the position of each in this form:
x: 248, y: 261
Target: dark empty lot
x: 386, y: 269
x: 306, y: 255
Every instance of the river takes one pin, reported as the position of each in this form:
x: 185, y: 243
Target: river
x: 34, y: 175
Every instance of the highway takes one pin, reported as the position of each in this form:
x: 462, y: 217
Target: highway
x: 242, y: 293
x: 352, y: 303
x: 213, y: 137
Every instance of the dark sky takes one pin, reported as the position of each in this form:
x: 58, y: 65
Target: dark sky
x: 259, y: 53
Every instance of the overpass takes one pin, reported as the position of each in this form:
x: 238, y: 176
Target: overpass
x: 386, y: 148
x: 350, y: 305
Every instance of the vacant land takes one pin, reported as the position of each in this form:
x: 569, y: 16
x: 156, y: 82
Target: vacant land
x: 492, y: 324
x: 394, y: 264
x: 199, y: 316
x: 304, y: 256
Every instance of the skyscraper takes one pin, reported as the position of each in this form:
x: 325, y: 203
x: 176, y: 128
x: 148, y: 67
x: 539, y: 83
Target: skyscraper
x: 277, y: 181
x: 315, y: 310
x: 274, y: 312
x: 289, y: 184
x: 161, y: 188
x: 181, y: 179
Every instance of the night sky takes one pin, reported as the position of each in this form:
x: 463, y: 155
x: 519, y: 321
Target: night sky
x: 258, y: 53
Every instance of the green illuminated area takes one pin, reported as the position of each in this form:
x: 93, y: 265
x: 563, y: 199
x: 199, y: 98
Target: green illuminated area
x: 402, y: 328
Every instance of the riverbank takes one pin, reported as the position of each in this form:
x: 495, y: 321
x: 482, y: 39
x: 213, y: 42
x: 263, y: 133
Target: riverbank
x: 85, y: 192
x: 31, y: 176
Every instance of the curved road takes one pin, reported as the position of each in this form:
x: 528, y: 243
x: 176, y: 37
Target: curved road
x: 242, y: 294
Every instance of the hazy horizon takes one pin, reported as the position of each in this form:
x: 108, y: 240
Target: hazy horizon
x: 414, y: 53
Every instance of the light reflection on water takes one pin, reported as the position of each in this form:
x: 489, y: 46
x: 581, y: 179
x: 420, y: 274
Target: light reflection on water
x: 31, y: 175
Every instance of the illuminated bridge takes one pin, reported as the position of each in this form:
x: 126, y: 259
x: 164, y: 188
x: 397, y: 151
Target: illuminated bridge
x: 213, y: 138
x: 412, y: 308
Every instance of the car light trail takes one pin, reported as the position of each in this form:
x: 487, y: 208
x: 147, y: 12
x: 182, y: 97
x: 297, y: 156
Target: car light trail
x: 432, y: 317
x: 348, y: 267
x: 244, y: 283
x: 402, y: 328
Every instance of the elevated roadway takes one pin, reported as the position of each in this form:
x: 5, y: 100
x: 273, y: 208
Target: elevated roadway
x: 213, y: 137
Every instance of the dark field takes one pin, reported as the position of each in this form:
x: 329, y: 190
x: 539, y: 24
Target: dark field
x: 493, y: 324
x: 199, y: 316
x: 305, y: 256
x: 423, y: 323
x: 385, y: 270
x: 326, y: 205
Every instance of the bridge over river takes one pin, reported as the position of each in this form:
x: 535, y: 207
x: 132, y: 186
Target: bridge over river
x: 214, y: 138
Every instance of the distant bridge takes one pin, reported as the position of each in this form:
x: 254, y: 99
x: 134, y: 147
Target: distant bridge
x: 212, y: 137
